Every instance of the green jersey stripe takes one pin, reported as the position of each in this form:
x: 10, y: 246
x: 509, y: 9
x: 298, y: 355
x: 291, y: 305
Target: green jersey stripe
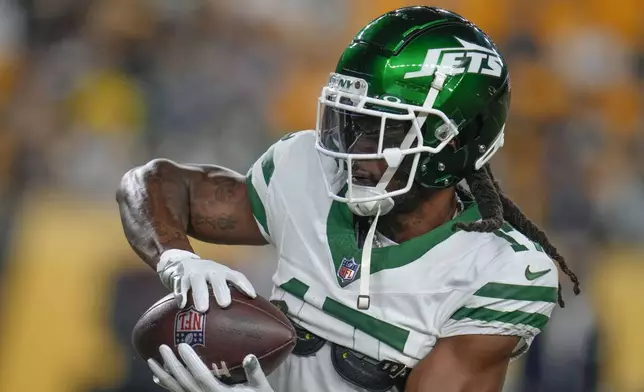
x: 389, y: 334
x: 259, y: 212
x: 518, y: 292
x: 268, y: 165
x: 536, y: 320
x: 295, y: 287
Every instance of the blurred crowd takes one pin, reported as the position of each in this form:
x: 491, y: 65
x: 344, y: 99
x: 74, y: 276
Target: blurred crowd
x: 91, y: 88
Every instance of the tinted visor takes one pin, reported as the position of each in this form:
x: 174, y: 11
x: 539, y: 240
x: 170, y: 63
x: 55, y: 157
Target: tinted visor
x: 354, y: 133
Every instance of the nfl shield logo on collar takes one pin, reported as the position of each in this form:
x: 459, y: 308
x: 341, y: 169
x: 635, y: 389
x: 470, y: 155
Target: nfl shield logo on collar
x: 189, y: 327
x: 348, y: 269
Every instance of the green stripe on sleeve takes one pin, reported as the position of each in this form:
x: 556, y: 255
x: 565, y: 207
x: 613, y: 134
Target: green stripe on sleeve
x: 268, y: 165
x: 259, y: 212
x: 518, y: 292
x: 536, y: 320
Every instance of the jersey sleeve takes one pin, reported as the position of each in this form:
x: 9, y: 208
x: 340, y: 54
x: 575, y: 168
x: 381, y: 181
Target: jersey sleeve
x: 516, y: 299
x: 258, y: 183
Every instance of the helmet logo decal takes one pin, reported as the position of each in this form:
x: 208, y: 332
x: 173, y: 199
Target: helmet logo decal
x: 453, y: 61
x: 348, y: 84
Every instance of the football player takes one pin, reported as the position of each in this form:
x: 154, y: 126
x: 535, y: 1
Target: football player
x: 395, y: 275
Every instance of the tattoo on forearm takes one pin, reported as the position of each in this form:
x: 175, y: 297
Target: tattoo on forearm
x: 213, y: 208
x: 168, y: 234
x: 227, y: 190
x: 221, y: 222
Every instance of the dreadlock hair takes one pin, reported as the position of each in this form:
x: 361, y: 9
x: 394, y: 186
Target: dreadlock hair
x: 496, y: 208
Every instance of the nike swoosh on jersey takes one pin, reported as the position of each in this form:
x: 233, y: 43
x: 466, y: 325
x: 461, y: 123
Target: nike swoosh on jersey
x: 534, y: 275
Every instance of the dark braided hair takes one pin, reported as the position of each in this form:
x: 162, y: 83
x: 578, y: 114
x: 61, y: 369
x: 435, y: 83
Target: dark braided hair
x: 496, y: 208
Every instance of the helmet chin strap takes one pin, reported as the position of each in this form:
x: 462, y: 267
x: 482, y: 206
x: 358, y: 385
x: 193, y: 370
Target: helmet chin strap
x: 364, y: 300
x: 370, y: 208
x: 381, y: 207
x: 376, y: 208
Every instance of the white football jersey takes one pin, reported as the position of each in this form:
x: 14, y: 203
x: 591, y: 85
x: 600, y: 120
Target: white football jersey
x: 443, y: 283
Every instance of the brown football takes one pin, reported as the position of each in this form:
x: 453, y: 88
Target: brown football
x: 221, y: 337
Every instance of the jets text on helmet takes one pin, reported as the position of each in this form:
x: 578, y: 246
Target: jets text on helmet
x: 453, y: 61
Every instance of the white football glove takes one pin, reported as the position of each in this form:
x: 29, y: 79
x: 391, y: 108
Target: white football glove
x: 181, y: 271
x: 198, y: 378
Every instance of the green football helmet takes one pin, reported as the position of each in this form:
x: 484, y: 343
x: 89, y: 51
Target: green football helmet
x: 432, y: 92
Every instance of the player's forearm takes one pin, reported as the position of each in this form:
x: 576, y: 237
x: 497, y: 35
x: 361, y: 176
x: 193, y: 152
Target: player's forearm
x: 466, y: 363
x: 453, y: 383
x: 154, y: 205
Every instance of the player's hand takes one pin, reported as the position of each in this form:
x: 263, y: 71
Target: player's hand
x: 182, y: 271
x: 196, y: 377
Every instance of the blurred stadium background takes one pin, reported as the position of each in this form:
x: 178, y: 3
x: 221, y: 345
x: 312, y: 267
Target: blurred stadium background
x: 90, y: 88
